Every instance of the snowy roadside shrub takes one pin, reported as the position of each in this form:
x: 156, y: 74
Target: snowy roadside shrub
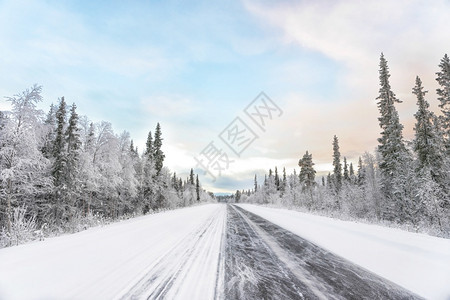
x: 23, y: 228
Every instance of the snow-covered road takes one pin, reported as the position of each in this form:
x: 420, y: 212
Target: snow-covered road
x: 213, y: 252
x: 162, y: 255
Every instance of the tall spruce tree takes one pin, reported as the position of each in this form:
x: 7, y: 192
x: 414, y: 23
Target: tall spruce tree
x: 50, y: 124
x: 197, y: 188
x: 89, y: 146
x: 329, y: 181
x: 427, y: 143
x: 148, y: 184
x: 192, y: 177
x: 351, y: 170
x: 158, y: 154
x: 284, y: 181
x: 59, y: 146
x: 149, y: 146
x: 346, y: 175
x: 391, y: 148
x: 73, y: 141
x: 395, y: 160
x: 337, y: 167
x: 277, y: 179
x: 425, y: 137
x: 443, y: 92
x: 361, y: 172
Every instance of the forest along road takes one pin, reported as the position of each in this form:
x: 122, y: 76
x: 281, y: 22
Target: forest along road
x: 264, y: 261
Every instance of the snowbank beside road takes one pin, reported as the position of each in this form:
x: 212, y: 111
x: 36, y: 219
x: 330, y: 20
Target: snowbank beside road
x: 418, y: 262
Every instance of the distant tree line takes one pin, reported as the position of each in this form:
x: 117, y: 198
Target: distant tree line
x: 60, y: 172
x: 405, y: 182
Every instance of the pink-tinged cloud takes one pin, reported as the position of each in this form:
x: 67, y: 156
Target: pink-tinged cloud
x: 413, y: 36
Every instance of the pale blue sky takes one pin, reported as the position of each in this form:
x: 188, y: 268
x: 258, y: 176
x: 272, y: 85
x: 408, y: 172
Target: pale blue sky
x: 195, y: 66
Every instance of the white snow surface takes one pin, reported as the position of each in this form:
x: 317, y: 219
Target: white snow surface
x: 178, y: 251
x: 418, y: 262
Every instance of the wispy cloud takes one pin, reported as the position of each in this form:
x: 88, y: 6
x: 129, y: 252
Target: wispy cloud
x: 356, y: 32
x: 353, y: 34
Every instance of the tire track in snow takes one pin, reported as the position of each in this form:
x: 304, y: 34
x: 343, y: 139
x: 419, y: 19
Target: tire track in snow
x: 187, y: 268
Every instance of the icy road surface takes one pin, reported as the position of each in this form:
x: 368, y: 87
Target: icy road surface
x: 217, y: 251
x: 417, y: 262
x: 265, y: 261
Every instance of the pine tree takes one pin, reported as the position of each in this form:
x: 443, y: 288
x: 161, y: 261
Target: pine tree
x: 89, y: 146
x: 284, y: 182
x: 50, y: 124
x: 191, y: 177
x: 307, y: 172
x: 148, y: 184
x: 346, y: 175
x: 392, y: 148
x: 256, y: 184
x: 133, y: 151
x: 425, y: 137
x: 329, y: 181
x: 237, y: 196
x: 427, y: 144
x: 59, y: 147
x: 174, y: 181
x: 197, y: 188
x: 443, y: 79
x: 73, y: 142
x: 352, y: 171
x: 277, y: 179
x: 158, y: 154
x: 395, y: 160
x: 361, y: 172
x: 337, y: 167
x: 149, y: 146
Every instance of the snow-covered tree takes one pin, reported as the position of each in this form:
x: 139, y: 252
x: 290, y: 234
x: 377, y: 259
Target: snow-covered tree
x: 346, y: 174
x: 307, y: 172
x: 158, y: 154
x: 197, y: 188
x: 50, y: 128
x: 337, y: 167
x: 361, y: 172
x: 191, y: 177
x: 59, y: 146
x: 394, y: 156
x: 426, y: 142
x: 74, y: 144
x: 23, y: 168
x: 277, y: 179
x: 443, y: 92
